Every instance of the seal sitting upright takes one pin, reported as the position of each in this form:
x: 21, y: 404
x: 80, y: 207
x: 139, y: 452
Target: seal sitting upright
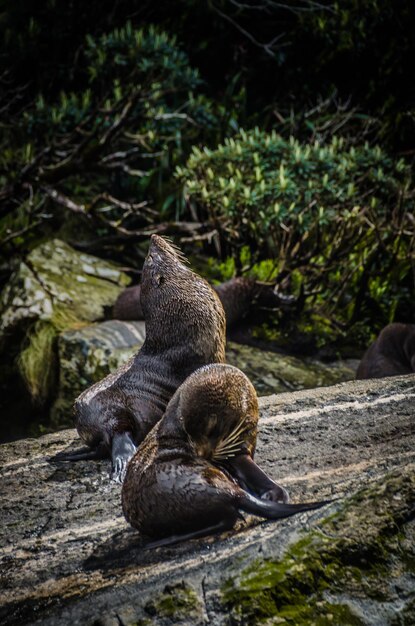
x: 194, y: 471
x: 185, y: 329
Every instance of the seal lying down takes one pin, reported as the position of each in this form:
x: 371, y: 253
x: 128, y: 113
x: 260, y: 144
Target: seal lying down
x: 185, y: 329
x: 195, y: 472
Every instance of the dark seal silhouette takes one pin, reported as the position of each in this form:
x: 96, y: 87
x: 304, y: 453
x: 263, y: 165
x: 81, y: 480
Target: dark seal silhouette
x: 237, y: 296
x: 194, y: 472
x: 128, y: 305
x: 185, y: 329
x: 391, y: 354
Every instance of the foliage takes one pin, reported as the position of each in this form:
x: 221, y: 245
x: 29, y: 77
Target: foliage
x: 337, y: 219
x: 105, y: 152
x: 290, y: 57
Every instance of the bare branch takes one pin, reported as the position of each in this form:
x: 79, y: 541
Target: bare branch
x: 63, y: 200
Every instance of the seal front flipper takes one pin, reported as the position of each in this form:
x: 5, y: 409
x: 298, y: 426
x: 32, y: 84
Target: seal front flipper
x: 254, y: 480
x: 123, y: 449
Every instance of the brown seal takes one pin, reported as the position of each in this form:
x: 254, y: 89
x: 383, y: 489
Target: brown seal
x: 128, y: 305
x: 185, y: 329
x: 194, y: 471
x: 391, y: 354
x: 238, y: 296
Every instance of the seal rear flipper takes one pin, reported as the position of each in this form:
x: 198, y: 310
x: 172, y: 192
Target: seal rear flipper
x: 84, y: 454
x: 275, y: 510
x: 196, y: 534
x: 122, y: 450
x: 254, y: 480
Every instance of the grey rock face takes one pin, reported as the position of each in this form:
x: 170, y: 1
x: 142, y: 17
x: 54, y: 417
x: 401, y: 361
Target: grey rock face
x: 274, y: 373
x: 55, y: 276
x: 87, y: 355
x: 68, y: 556
x: 55, y: 288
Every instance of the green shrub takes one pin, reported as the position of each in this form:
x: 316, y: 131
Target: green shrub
x: 336, y: 218
x: 126, y: 62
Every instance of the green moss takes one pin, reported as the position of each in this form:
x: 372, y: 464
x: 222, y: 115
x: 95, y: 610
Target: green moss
x: 358, y: 550
x: 176, y: 602
x: 37, y: 362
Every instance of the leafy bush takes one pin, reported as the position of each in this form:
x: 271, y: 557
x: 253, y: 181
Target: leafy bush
x: 104, y: 153
x: 337, y: 219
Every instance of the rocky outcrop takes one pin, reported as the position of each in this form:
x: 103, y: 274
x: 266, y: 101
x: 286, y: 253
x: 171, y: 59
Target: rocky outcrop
x: 56, y: 279
x: 88, y: 354
x: 272, y: 372
x: 55, y: 288
x: 69, y: 557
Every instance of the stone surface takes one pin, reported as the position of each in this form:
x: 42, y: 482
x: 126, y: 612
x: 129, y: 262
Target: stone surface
x: 53, y: 289
x: 88, y: 354
x: 56, y: 277
x: 271, y: 372
x: 68, y: 556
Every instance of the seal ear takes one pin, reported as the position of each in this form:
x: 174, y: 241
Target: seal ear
x: 159, y: 279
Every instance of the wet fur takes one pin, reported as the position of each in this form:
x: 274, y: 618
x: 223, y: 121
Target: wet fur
x: 185, y: 329
x: 176, y: 486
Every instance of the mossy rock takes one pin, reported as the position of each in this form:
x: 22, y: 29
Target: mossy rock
x: 179, y: 603
x: 271, y: 372
x: 53, y: 289
x: 87, y: 355
x: 56, y: 279
x: 359, y: 561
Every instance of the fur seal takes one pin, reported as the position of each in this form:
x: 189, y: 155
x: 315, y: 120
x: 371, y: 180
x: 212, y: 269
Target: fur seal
x: 194, y: 471
x: 391, y: 354
x: 185, y: 329
x: 238, y: 296
x: 128, y: 305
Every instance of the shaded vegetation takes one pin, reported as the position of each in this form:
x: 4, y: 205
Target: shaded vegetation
x: 99, y: 154
x: 336, y: 219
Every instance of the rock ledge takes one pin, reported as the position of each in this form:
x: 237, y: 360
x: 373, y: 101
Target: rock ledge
x: 69, y: 557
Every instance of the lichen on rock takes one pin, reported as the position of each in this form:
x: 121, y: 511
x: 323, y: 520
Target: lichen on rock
x: 88, y: 354
x: 271, y: 372
x: 177, y: 602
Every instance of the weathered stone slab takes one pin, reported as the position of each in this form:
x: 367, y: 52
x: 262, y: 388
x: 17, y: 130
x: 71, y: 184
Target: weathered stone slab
x: 274, y: 373
x: 69, y: 557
